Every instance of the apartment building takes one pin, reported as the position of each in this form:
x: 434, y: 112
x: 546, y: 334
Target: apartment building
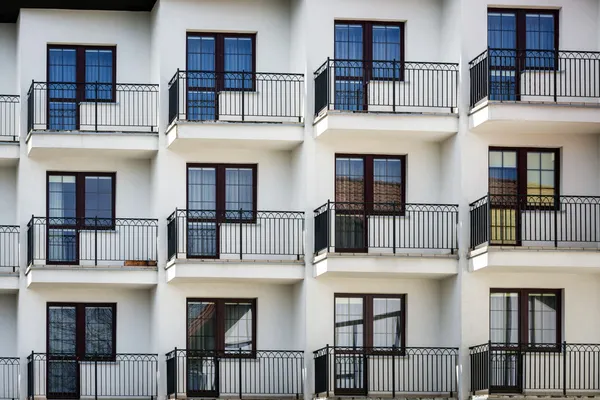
x: 299, y: 199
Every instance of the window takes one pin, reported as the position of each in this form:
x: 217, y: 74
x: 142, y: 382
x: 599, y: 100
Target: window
x: 77, y: 74
x: 526, y: 316
x: 368, y: 179
x: 365, y: 51
x: 87, y: 331
x: 215, y: 62
x: 227, y: 325
x: 525, y: 171
x: 370, y: 321
x: 77, y: 201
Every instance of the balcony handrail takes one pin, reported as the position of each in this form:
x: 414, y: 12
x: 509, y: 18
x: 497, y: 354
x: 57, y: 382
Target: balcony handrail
x: 127, y: 240
x: 110, y: 376
x: 180, y: 72
x: 9, y: 114
x: 235, y: 372
x: 93, y: 106
x: 391, y: 226
x: 394, y: 370
x: 10, y: 371
x: 241, y: 233
x: 548, y: 367
x: 9, y: 248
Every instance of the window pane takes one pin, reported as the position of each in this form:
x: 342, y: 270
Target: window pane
x: 504, y: 317
x: 62, y: 66
x: 387, y: 322
x: 99, y: 331
x: 201, y: 53
x: 239, y: 192
x: 540, y: 40
x: 201, y: 236
x: 99, y: 68
x: 238, y: 58
x: 349, y: 181
x: 540, y: 178
x: 202, y: 189
x: 62, y: 199
x: 99, y: 199
x: 503, y: 175
x: 348, y: 42
x: 349, y: 322
x: 238, y: 326
x: 542, y: 318
x: 502, y: 30
x: 386, y: 49
x: 387, y: 183
x: 201, y: 325
x: 61, y: 330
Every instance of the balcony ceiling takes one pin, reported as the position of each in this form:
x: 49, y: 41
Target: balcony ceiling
x: 9, y: 9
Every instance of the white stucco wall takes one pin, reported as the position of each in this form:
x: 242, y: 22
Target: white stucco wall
x: 8, y: 61
x: 8, y: 325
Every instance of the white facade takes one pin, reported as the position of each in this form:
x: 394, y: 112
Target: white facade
x: 151, y: 276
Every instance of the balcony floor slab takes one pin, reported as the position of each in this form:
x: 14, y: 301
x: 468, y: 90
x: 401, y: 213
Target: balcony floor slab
x: 266, y: 271
x: 80, y: 276
x: 9, y: 282
x: 187, y: 136
x: 420, y: 126
x: 373, y: 265
x: 9, y: 153
x: 534, y: 259
x: 535, y: 118
x: 52, y: 144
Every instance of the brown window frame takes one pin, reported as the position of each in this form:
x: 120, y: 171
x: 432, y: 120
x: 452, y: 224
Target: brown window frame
x: 80, y: 333
x: 220, y: 188
x: 369, y: 320
x: 369, y: 180
x: 80, y: 197
x: 80, y: 71
x: 522, y: 172
x: 220, y: 324
x: 220, y: 57
x: 524, y: 317
x: 367, y: 27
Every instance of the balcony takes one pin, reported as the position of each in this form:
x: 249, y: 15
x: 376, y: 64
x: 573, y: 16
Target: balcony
x: 386, y: 239
x: 67, y: 376
x: 120, y: 120
x: 258, y: 109
x: 92, y: 251
x: 382, y: 372
x: 558, y: 370
x: 9, y: 129
x: 236, y: 245
x: 535, y: 92
x: 386, y: 99
x: 9, y: 378
x: 9, y: 258
x: 235, y: 373
x: 528, y: 233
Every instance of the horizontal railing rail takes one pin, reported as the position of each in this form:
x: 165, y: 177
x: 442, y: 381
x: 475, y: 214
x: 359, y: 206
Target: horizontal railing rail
x: 9, y: 248
x: 129, y: 242
x: 235, y: 234
x: 535, y: 220
x: 69, y: 376
x: 379, y: 371
x: 240, y: 96
x: 563, y: 368
x: 240, y: 373
x: 385, y: 227
x: 535, y: 75
x: 9, y: 117
x: 9, y: 378
x: 386, y: 86
x: 93, y: 106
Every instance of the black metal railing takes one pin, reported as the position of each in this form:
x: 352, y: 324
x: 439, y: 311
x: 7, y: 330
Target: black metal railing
x: 9, y: 378
x: 9, y: 118
x: 379, y: 371
x: 536, y: 220
x: 60, y: 376
x: 240, y: 373
x: 235, y: 234
x: 387, y: 227
x: 9, y: 248
x: 92, y: 241
x: 121, y: 107
x: 535, y: 75
x: 563, y: 368
x: 236, y: 97
x: 386, y: 86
